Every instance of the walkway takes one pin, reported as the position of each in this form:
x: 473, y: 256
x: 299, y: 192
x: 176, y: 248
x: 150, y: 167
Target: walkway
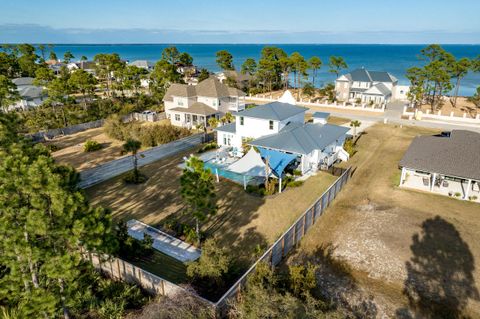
x: 163, y: 242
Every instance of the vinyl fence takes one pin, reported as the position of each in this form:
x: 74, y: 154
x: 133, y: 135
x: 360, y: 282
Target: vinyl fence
x: 122, y: 165
x: 123, y: 270
x: 290, y: 238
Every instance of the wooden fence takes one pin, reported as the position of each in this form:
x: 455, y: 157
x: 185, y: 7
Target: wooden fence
x: 289, y: 239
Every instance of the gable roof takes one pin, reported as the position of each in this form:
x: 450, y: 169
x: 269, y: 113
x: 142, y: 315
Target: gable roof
x: 212, y: 87
x: 182, y: 90
x: 320, y: 115
x: 235, y: 92
x: 363, y: 75
x: 456, y: 155
x: 142, y: 64
x: 378, y: 89
x: 302, y: 138
x: 196, y: 108
x: 23, y: 81
x: 276, y: 111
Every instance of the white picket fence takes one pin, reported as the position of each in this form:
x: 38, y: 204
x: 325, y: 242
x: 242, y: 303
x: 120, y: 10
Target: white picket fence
x: 440, y: 117
x: 342, y: 105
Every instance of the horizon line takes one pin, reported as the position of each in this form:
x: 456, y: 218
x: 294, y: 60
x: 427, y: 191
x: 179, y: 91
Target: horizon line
x: 232, y: 43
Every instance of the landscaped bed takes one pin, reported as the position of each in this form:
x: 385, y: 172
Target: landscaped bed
x: 244, y: 225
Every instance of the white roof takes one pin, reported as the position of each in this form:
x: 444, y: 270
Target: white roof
x: 287, y: 97
x: 251, y: 164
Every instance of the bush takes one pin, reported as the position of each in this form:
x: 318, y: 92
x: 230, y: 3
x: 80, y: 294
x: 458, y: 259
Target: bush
x: 91, y: 146
x: 472, y: 197
x: 295, y: 183
x: 207, y: 147
x: 349, y: 147
x: 297, y: 172
x: 255, y: 189
x: 132, y: 178
x: 457, y: 194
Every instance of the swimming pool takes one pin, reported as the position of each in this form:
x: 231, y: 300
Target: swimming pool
x: 234, y: 177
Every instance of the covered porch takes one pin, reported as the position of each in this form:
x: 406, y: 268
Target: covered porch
x: 461, y: 188
x: 195, y: 115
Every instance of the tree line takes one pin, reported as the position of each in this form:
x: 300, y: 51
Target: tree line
x: 272, y: 70
x: 440, y: 73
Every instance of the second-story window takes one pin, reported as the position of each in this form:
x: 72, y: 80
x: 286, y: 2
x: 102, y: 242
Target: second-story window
x: 180, y: 102
x: 241, y: 120
x: 270, y: 125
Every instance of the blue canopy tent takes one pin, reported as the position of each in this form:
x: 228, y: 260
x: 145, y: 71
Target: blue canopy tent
x: 277, y: 161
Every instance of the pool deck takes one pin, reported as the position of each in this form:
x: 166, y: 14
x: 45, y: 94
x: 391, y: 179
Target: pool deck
x: 163, y: 242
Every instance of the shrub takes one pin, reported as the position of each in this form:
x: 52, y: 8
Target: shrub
x: 457, y: 194
x: 190, y: 235
x: 207, y: 147
x: 53, y: 147
x: 255, y: 189
x: 349, y: 147
x: 91, y: 146
x: 297, y: 172
x: 295, y: 183
x: 113, y: 127
x: 271, y: 186
x: 131, y: 178
x: 472, y: 197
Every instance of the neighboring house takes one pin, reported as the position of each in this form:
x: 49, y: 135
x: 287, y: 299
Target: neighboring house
x: 31, y: 95
x: 241, y: 79
x: 448, y: 164
x: 279, y: 127
x: 188, y: 106
x: 369, y: 86
x: 143, y: 64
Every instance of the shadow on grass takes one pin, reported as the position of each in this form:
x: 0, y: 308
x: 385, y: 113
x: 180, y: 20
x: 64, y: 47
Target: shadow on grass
x: 440, y: 278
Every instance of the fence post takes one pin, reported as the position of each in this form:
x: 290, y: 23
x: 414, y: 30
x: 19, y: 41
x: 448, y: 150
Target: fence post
x: 304, y: 222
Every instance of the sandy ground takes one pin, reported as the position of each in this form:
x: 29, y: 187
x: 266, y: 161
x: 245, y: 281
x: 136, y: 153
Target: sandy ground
x: 463, y: 106
x: 399, y: 252
x: 71, y: 148
x: 242, y: 222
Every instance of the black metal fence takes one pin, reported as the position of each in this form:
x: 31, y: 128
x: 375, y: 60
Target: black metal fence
x: 291, y: 237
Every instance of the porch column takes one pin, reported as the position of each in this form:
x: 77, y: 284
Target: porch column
x: 467, y: 191
x: 433, y: 181
x: 280, y: 185
x: 402, y: 177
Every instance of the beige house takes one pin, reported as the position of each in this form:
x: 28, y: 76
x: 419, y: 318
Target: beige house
x: 189, y: 106
x: 369, y: 87
x: 448, y: 165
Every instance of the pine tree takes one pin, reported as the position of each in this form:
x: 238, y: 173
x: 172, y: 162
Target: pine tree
x: 45, y: 225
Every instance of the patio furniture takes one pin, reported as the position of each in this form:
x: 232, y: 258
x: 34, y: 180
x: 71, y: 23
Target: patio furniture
x: 445, y: 184
x: 426, y: 181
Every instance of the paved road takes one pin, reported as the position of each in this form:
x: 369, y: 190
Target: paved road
x: 122, y: 165
x: 393, y: 114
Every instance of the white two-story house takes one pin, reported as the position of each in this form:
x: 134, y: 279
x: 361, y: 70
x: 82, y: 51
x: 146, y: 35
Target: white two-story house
x: 280, y: 127
x: 189, y: 106
x: 369, y: 87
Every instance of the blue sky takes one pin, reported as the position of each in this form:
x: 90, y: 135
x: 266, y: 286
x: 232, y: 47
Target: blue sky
x: 246, y: 21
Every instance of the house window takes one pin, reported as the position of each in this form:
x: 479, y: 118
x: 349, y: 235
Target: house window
x: 241, y: 120
x: 270, y: 124
x: 177, y: 117
x: 194, y: 118
x: 224, y: 140
x: 180, y: 103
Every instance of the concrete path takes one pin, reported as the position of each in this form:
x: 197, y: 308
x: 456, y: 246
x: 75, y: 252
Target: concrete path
x: 122, y: 165
x: 163, y: 242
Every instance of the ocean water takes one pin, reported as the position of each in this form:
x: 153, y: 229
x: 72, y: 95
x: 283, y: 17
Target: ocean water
x: 395, y: 59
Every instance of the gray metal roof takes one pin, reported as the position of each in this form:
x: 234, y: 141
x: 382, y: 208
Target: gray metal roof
x: 457, y: 155
x: 142, y: 64
x: 276, y: 111
x: 321, y: 115
x: 363, y: 75
x: 229, y: 128
x: 384, y: 90
x: 302, y: 138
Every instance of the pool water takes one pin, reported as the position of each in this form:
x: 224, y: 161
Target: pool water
x: 234, y: 177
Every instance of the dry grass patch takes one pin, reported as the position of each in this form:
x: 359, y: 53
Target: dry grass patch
x: 243, y: 223
x: 400, y: 243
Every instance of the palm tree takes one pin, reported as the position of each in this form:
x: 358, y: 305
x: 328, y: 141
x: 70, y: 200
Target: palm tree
x: 132, y: 146
x: 212, y: 122
x: 355, y: 124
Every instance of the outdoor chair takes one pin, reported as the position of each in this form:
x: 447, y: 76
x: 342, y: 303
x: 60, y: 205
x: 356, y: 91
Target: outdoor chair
x: 445, y: 184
